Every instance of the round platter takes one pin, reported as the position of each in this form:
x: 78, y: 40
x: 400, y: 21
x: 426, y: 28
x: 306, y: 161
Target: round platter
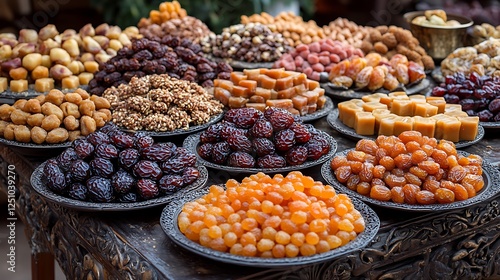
x: 12, y: 143
x: 9, y: 97
x: 189, y: 130
x: 491, y: 188
x: 192, y: 141
x: 345, y: 94
x: 168, y: 223
x: 490, y: 125
x: 44, y: 191
x: 335, y: 123
x: 327, y: 108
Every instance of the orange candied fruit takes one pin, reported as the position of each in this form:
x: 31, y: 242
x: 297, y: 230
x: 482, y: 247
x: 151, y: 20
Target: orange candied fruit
x: 273, y: 217
x: 410, y: 168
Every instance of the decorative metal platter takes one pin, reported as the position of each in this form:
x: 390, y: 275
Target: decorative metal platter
x: 191, y: 129
x: 44, y: 191
x: 192, y: 141
x: 491, y: 188
x: 345, y: 94
x: 335, y: 123
x: 327, y: 108
x: 168, y: 221
x: 31, y: 145
x: 10, y: 97
x: 490, y: 125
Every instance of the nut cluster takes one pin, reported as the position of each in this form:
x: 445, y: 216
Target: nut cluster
x: 186, y: 27
x: 344, y: 30
x: 246, y: 42
x: 70, y: 58
x: 391, y: 40
x: 177, y: 57
x: 161, y: 103
x: 484, y: 31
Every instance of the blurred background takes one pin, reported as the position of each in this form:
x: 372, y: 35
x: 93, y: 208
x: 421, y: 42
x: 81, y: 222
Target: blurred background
x: 17, y: 14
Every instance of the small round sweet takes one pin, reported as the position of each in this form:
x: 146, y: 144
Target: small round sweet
x: 271, y: 217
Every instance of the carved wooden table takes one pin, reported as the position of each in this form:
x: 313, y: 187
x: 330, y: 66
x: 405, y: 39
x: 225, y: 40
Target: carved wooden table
x: 459, y: 244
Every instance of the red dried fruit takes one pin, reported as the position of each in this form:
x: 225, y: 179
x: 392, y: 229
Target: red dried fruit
x: 56, y: 180
x: 302, y: 134
x: 123, y: 141
x: 296, y: 155
x: 284, y: 140
x: 106, y: 151
x: 77, y: 191
x: 205, y: 151
x: 190, y: 175
x: 99, y: 189
x: 128, y: 158
x: 101, y: 167
x: 262, y: 129
x: 242, y: 117
x: 84, y: 149
x: 263, y: 146
x: 212, y: 134
x: 271, y: 161
x: 317, y: 147
x: 65, y: 159
x: 79, y: 170
x: 147, y: 188
x: 239, y: 143
x: 157, y: 152
x: 343, y: 173
x: 220, y: 152
x: 170, y: 184
x: 122, y: 182
x: 241, y: 159
x: 281, y: 120
x: 98, y: 138
x: 147, y: 169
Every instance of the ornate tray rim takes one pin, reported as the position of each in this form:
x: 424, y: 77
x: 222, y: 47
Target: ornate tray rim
x: 87, y: 206
x: 491, y: 188
x: 168, y: 222
x: 31, y: 145
x: 180, y: 131
x: 335, y: 123
x: 351, y: 93
x: 191, y: 143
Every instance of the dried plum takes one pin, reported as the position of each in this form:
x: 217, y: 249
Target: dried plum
x: 284, y: 140
x: 240, y: 143
x: 55, y: 179
x: 98, y: 138
x: 263, y: 146
x: 99, y: 189
x: 170, y: 184
x: 128, y: 158
x: 241, y: 159
x: 147, y: 188
x: 262, y: 129
x: 122, y: 182
x: 271, y: 161
x: 281, y: 120
x: 211, y: 134
x: 157, y: 152
x: 205, y: 151
x: 147, y: 169
x: 296, y: 155
x: 242, y: 117
x: 79, y: 170
x: 77, y: 191
x: 190, y: 175
x: 144, y: 142
x: 84, y: 149
x: 220, y: 152
x: 302, y: 134
x: 123, y: 141
x: 106, y: 151
x: 101, y: 167
x: 65, y: 159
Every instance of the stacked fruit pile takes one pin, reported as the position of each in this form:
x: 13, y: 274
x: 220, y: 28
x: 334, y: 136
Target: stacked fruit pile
x: 272, y: 139
x: 112, y: 166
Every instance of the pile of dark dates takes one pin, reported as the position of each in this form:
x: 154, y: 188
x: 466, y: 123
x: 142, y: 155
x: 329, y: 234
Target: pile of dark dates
x: 478, y: 95
x: 248, y: 138
x: 113, y: 166
x: 177, y: 57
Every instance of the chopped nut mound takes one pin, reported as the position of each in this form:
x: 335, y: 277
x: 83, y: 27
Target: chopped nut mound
x: 161, y: 103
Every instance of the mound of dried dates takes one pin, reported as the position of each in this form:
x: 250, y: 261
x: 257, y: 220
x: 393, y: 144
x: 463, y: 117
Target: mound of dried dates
x: 248, y: 138
x: 112, y: 166
x: 179, y: 58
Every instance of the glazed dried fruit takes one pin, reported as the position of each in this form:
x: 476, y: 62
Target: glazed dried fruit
x: 272, y: 139
x: 287, y: 217
x: 121, y: 168
x: 438, y: 175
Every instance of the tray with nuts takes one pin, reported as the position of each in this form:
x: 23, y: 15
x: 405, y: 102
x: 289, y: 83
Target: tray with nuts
x: 52, y: 120
x: 162, y: 105
x: 252, y: 42
x: 41, y: 61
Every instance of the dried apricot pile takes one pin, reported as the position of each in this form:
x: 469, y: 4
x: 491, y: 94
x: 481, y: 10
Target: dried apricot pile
x: 411, y: 169
x: 272, y: 217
